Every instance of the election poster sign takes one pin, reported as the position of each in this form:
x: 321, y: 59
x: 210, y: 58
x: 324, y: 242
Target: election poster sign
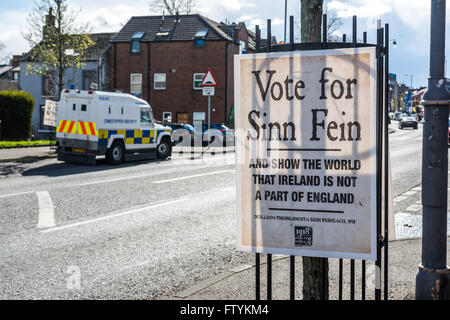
x: 50, y: 110
x: 306, y: 153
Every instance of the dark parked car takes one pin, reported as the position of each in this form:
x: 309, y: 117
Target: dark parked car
x: 408, y: 122
x: 182, y: 132
x: 221, y: 132
x: 397, y: 116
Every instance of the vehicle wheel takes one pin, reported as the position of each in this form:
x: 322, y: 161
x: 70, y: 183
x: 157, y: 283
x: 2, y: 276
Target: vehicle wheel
x: 400, y: 127
x: 115, y: 154
x: 164, y: 149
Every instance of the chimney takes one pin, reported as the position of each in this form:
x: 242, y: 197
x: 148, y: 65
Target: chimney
x: 177, y: 18
x: 49, y: 23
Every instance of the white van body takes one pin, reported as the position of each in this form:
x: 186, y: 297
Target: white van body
x: 91, y: 123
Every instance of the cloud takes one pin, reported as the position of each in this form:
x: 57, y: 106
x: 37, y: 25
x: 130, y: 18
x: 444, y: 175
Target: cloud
x: 234, y: 5
x: 12, y: 24
x: 111, y: 18
x: 414, y: 13
x: 360, y: 8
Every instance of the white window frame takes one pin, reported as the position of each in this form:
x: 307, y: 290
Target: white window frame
x: 135, y: 82
x: 156, y: 80
x: 193, y: 81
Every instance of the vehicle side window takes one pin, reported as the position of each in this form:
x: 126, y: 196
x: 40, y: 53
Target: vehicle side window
x: 83, y: 107
x: 145, y: 116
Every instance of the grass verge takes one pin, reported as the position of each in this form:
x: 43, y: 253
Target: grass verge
x: 25, y: 144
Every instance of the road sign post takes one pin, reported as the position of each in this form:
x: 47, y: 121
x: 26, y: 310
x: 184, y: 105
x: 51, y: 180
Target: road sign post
x: 208, y: 85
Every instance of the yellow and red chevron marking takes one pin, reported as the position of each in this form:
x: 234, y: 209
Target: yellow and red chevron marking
x: 87, y: 128
x: 67, y: 126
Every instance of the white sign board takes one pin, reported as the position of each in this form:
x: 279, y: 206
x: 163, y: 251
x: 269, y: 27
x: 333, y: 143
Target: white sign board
x: 50, y: 109
x: 306, y: 153
x: 208, y: 91
x: 199, y: 116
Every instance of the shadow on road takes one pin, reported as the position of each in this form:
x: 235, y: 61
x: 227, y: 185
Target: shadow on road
x: 60, y: 169
x: 35, y: 166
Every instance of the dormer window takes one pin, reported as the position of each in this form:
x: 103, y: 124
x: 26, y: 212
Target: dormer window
x: 199, y: 38
x: 136, y: 42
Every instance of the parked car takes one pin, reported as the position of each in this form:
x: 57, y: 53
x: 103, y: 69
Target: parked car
x: 391, y: 115
x: 182, y: 131
x: 221, y: 132
x: 408, y: 122
x: 397, y: 116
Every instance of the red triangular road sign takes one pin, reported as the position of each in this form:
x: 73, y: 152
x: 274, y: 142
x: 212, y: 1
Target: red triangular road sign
x: 209, y: 80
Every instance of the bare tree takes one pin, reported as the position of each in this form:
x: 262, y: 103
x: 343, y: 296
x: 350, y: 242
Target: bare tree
x: 333, y: 25
x: 57, y: 42
x: 174, y: 6
x: 4, y: 57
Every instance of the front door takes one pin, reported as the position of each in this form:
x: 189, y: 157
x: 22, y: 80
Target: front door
x: 182, y: 117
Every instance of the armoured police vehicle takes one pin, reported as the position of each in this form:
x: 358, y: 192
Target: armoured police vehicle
x: 117, y: 125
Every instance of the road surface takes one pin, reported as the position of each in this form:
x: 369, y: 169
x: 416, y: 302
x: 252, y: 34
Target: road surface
x: 140, y: 230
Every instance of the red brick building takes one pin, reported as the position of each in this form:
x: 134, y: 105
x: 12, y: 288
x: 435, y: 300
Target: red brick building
x: 163, y: 60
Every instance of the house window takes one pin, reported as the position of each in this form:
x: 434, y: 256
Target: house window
x: 135, y: 46
x: 242, y: 47
x: 199, y: 38
x: 136, y: 42
x: 48, y: 86
x: 182, y: 117
x: 199, y: 43
x: 83, y: 107
x: 136, y: 84
x: 159, y: 81
x: 198, y: 78
x: 89, y: 78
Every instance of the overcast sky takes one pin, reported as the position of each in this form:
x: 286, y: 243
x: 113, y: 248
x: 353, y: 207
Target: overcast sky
x: 409, y: 23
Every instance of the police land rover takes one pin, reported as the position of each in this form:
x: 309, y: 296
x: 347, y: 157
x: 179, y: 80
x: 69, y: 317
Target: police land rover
x: 117, y: 125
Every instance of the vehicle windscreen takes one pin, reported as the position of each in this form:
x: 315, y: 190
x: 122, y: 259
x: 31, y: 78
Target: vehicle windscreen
x: 145, y: 116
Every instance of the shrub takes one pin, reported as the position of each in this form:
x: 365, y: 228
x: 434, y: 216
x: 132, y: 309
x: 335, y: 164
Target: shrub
x: 16, y: 112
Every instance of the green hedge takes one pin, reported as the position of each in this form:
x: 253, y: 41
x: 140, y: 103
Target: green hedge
x: 16, y: 112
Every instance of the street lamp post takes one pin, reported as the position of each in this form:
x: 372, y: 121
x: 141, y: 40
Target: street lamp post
x: 432, y: 281
x: 411, y: 77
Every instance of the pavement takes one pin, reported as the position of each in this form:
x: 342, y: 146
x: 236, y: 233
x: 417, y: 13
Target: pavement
x: 26, y: 154
x: 238, y: 283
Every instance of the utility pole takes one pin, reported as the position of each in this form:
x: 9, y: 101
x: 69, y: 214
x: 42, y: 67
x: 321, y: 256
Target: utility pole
x: 432, y: 281
x: 411, y: 78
